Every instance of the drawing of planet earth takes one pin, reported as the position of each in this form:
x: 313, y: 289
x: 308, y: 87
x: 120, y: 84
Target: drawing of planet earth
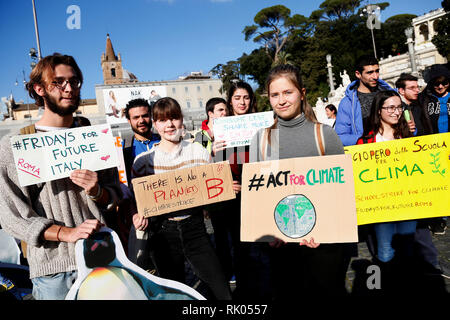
x: 295, y: 216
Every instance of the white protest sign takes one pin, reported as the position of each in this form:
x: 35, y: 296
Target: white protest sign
x: 239, y: 130
x: 53, y: 155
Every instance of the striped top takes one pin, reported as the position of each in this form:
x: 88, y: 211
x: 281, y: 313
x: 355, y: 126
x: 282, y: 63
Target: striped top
x: 155, y: 161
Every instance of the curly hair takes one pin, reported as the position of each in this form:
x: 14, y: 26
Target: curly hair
x: 44, y: 71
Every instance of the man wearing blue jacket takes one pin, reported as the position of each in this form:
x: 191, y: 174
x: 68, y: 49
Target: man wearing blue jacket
x: 354, y: 108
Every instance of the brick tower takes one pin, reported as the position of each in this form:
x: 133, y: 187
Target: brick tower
x: 111, y: 65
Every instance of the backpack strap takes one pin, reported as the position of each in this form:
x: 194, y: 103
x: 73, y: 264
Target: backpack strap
x: 265, y: 137
x: 318, y: 136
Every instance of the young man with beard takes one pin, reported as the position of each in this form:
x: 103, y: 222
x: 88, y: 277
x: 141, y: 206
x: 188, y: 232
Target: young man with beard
x: 50, y: 217
x: 138, y: 113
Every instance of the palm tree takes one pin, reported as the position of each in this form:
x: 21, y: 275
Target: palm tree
x: 282, y: 58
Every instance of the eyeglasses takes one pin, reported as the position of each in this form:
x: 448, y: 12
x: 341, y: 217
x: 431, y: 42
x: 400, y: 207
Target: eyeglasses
x: 438, y: 83
x: 61, y: 83
x: 392, y: 109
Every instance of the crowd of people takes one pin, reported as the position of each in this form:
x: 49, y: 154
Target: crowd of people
x: 51, y: 217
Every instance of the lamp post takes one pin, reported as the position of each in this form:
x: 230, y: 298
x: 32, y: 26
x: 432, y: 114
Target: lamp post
x: 372, y: 12
x: 36, y: 31
x: 412, y: 54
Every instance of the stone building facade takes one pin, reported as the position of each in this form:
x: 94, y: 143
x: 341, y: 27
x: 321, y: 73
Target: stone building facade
x: 425, y: 52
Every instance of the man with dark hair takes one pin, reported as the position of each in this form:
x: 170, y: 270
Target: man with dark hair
x: 138, y: 113
x: 354, y: 108
x: 50, y: 217
x: 408, y: 87
x: 215, y: 108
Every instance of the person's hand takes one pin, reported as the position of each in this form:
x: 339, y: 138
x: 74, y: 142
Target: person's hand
x: 86, y: 179
x: 140, y: 223
x: 83, y: 231
x: 236, y: 186
x: 310, y: 244
x: 218, y: 146
x: 276, y: 243
x: 411, y: 125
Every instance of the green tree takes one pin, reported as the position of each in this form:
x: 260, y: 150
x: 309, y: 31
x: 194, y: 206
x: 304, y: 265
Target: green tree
x: 442, y: 39
x: 227, y: 73
x: 256, y: 66
x: 393, y: 39
x: 272, y: 28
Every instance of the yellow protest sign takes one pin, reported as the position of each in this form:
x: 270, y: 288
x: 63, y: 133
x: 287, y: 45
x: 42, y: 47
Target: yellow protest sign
x: 403, y: 179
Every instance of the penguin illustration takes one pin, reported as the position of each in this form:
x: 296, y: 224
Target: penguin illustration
x: 105, y: 273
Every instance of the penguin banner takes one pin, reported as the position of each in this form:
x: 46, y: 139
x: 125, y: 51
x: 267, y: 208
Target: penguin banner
x: 105, y: 273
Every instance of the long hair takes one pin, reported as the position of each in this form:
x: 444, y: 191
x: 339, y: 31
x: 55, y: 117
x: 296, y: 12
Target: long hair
x: 241, y: 85
x: 373, y: 126
x: 43, y: 72
x: 292, y: 73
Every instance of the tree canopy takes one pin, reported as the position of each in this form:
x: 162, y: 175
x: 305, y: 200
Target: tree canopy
x: 337, y: 27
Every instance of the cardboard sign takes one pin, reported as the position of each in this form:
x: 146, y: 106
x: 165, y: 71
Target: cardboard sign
x: 105, y: 273
x: 53, y: 155
x: 296, y: 199
x: 182, y: 189
x: 239, y: 130
x: 402, y: 179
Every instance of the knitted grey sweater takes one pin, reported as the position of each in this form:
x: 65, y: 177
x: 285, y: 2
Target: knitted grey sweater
x: 292, y: 139
x: 59, y: 202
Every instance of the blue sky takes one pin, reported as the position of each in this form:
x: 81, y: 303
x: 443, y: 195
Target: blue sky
x: 157, y: 39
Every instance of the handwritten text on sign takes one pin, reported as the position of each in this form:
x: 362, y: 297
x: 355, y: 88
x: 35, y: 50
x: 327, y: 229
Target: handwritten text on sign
x: 239, y: 130
x: 182, y: 189
x: 402, y: 179
x: 300, y: 198
x: 47, y: 156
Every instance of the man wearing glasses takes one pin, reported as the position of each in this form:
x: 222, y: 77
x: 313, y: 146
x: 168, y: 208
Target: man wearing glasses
x: 408, y: 88
x: 50, y: 217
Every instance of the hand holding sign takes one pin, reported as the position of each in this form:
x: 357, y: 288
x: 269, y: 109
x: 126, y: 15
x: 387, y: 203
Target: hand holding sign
x: 53, y: 155
x: 86, y: 179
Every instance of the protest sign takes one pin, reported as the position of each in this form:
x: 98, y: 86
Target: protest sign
x: 300, y: 198
x: 118, y: 143
x: 182, y: 189
x: 53, y: 155
x: 402, y: 179
x: 239, y: 130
